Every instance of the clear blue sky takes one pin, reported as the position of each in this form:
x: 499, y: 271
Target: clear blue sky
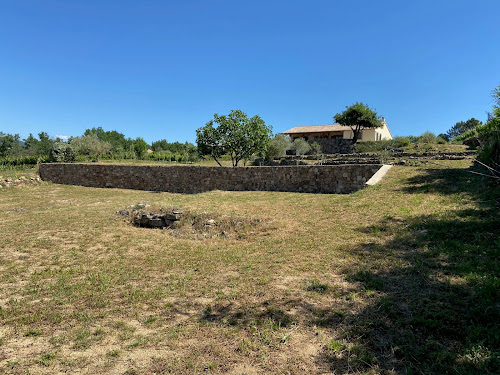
x: 161, y: 69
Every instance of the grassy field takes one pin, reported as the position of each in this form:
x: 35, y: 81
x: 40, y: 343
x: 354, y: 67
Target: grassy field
x: 399, y: 278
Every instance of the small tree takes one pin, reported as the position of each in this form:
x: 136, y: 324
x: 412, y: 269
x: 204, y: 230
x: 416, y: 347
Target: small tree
x: 278, y: 146
x: 358, y: 117
x: 235, y: 134
x: 300, y: 146
x: 90, y: 146
x: 316, y: 149
x: 62, y: 152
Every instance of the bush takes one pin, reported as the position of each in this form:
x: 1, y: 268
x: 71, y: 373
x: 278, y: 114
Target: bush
x: 489, y: 151
x: 62, y: 152
x: 427, y: 137
x: 441, y: 141
x: 22, y: 160
x: 277, y: 147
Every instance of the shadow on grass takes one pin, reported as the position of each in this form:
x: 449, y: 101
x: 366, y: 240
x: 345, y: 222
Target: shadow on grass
x: 437, y: 282
x: 432, y: 291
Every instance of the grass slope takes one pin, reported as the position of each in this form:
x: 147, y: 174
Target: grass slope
x: 401, y: 277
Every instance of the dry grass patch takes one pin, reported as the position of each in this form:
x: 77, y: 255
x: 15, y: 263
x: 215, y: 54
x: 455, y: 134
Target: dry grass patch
x: 400, y: 277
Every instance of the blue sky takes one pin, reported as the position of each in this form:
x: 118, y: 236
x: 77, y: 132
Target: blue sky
x: 161, y: 69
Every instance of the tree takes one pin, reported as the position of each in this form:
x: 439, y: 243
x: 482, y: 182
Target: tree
x: 140, y: 147
x: 278, y: 146
x: 30, y: 144
x: 301, y: 146
x: 235, y: 134
x: 90, y: 146
x: 444, y: 137
x: 358, y: 117
x: 161, y: 145
x: 316, y: 149
x: 9, y: 144
x: 462, y: 127
x: 44, y: 144
x: 62, y: 152
x: 116, y: 139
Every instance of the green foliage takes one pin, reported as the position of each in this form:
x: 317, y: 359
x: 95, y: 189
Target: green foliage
x: 62, y: 152
x: 427, y: 137
x: 277, y: 147
x: 140, y: 147
x: 11, y: 162
x: 90, y: 146
x: 9, y: 145
x: 115, y: 139
x: 300, y: 146
x: 358, y: 117
x: 163, y: 150
x: 489, y: 135
x: 444, y: 137
x: 462, y: 127
x: 315, y: 149
x: 235, y: 135
x: 44, y: 145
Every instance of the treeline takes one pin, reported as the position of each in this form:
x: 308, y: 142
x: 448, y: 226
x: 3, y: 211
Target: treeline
x: 94, y: 144
x: 485, y: 137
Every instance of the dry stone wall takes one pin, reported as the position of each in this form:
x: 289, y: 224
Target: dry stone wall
x: 194, y: 179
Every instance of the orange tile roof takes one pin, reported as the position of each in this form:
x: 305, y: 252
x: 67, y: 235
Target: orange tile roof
x: 317, y: 129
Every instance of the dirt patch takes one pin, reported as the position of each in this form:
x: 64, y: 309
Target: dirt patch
x: 193, y: 225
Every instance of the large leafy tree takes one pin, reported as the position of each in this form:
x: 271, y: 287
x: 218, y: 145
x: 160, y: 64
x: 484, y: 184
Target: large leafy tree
x: 235, y: 135
x: 358, y: 117
x: 462, y: 127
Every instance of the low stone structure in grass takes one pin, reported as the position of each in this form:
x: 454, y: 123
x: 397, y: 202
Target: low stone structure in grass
x: 18, y: 181
x: 186, y: 224
x: 194, y: 179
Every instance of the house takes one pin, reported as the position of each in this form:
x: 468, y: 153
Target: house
x: 316, y: 132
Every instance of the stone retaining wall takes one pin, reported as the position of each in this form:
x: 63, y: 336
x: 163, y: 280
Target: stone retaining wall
x: 194, y: 179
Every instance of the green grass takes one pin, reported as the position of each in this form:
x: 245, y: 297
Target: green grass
x: 401, y: 277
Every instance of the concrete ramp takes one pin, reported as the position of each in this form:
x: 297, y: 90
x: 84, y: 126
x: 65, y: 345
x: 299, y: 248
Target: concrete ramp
x: 379, y: 174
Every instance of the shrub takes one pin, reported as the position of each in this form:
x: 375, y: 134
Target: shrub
x: 315, y: 149
x: 441, y: 141
x: 62, y: 152
x: 90, y: 146
x: 22, y: 160
x: 277, y: 147
x: 427, y: 137
x: 489, y: 151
